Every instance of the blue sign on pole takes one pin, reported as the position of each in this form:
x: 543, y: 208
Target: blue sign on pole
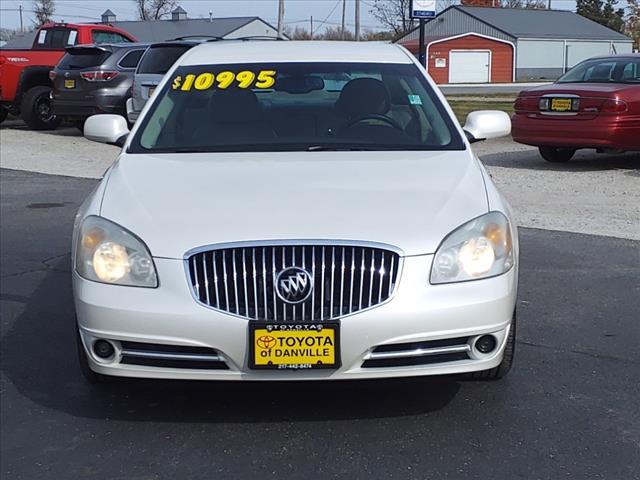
x: 423, y: 8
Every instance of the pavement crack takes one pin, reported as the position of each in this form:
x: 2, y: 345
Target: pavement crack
x: 591, y: 354
x: 46, y: 266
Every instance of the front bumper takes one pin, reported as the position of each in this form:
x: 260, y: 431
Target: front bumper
x: 418, y: 312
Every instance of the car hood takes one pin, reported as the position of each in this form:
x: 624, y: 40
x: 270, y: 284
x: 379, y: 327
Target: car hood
x: 410, y: 200
x: 579, y: 88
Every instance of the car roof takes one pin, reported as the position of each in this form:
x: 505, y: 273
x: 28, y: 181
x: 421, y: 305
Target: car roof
x: 177, y: 43
x: 230, y: 51
x: 619, y: 55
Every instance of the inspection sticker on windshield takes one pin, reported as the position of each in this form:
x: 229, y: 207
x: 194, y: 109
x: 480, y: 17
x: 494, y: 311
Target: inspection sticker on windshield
x: 414, y: 99
x: 294, y: 345
x: 204, y: 81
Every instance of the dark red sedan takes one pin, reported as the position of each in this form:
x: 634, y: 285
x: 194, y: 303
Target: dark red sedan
x: 594, y: 105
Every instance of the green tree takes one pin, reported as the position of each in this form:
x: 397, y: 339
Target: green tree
x: 604, y: 12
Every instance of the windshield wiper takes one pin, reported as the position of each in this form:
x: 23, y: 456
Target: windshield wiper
x: 336, y: 148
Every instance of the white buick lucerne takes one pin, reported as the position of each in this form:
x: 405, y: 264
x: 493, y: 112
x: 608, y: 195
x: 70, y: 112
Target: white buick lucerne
x: 295, y: 211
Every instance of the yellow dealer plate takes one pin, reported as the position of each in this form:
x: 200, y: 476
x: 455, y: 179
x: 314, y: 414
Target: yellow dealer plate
x: 69, y: 84
x: 561, y: 104
x: 291, y: 345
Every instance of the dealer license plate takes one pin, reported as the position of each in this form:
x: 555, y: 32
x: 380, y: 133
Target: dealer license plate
x: 69, y: 84
x: 561, y: 104
x: 291, y: 345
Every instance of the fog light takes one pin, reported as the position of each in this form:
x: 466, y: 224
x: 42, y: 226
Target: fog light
x: 486, y: 344
x: 102, y: 348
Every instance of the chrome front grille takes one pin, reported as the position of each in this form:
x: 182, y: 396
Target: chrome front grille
x: 345, y: 278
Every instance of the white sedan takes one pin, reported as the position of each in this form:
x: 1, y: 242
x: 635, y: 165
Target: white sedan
x: 295, y: 211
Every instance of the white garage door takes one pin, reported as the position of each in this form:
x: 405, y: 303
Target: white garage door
x: 469, y: 67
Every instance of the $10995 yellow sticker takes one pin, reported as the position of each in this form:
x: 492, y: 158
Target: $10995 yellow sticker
x: 225, y: 79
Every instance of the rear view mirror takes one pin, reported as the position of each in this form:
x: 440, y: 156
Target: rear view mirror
x: 486, y: 124
x: 111, y: 129
x: 300, y: 84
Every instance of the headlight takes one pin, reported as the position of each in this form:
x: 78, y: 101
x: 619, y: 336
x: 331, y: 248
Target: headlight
x: 478, y: 249
x: 108, y: 253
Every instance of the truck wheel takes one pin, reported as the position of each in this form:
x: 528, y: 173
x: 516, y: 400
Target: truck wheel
x: 501, y: 370
x: 3, y: 114
x: 36, y: 109
x: 557, y: 154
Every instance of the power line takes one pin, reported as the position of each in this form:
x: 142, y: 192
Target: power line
x: 330, y: 13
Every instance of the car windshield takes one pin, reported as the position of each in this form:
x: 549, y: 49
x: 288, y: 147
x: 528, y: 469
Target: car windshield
x: 296, y: 106
x: 604, y: 70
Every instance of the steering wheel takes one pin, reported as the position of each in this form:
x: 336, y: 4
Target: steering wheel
x: 373, y: 116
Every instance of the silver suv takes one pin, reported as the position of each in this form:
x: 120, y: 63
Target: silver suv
x: 156, y: 61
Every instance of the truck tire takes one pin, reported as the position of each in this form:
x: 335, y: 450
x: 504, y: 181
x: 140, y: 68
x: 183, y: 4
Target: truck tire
x: 3, y: 114
x: 36, y: 109
x: 557, y: 154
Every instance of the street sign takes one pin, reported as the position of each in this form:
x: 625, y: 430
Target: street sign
x: 423, y: 8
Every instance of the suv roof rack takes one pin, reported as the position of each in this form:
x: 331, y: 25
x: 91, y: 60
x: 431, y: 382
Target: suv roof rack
x: 252, y: 37
x: 208, y: 38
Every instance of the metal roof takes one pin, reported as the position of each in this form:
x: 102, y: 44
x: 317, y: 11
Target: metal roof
x: 161, y: 30
x: 529, y: 23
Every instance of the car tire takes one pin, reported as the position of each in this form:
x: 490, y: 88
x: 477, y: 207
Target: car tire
x: 36, y: 109
x: 89, y: 375
x: 79, y: 124
x: 557, y: 154
x: 503, y: 369
x: 3, y: 114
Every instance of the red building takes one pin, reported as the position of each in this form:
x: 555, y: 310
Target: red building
x: 468, y: 58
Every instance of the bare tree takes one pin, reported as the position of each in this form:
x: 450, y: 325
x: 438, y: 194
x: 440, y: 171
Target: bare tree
x: 154, y: 9
x: 530, y: 4
x: 43, y: 10
x: 298, y: 33
x: 632, y: 22
x: 393, y: 15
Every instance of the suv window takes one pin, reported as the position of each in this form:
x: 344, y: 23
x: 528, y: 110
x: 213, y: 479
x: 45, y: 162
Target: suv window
x: 83, y: 57
x: 102, y: 36
x: 131, y: 59
x: 158, y: 60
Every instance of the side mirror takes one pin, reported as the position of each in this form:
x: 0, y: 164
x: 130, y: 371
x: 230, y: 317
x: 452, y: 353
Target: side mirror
x: 486, y: 124
x: 111, y: 129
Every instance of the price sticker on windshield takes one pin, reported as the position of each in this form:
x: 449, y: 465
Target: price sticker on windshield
x: 263, y: 80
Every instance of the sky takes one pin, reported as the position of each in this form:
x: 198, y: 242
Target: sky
x: 297, y: 12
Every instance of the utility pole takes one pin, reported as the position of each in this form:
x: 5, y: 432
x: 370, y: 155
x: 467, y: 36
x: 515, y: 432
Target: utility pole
x: 344, y: 12
x: 21, y: 24
x: 422, y: 45
x: 281, y: 18
x: 357, y: 20
x: 549, y: 5
x: 311, y: 32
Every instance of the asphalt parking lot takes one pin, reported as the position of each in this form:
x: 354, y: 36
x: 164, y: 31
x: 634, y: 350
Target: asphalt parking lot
x: 569, y: 409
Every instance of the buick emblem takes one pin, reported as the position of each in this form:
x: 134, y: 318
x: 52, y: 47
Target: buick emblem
x: 294, y: 285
